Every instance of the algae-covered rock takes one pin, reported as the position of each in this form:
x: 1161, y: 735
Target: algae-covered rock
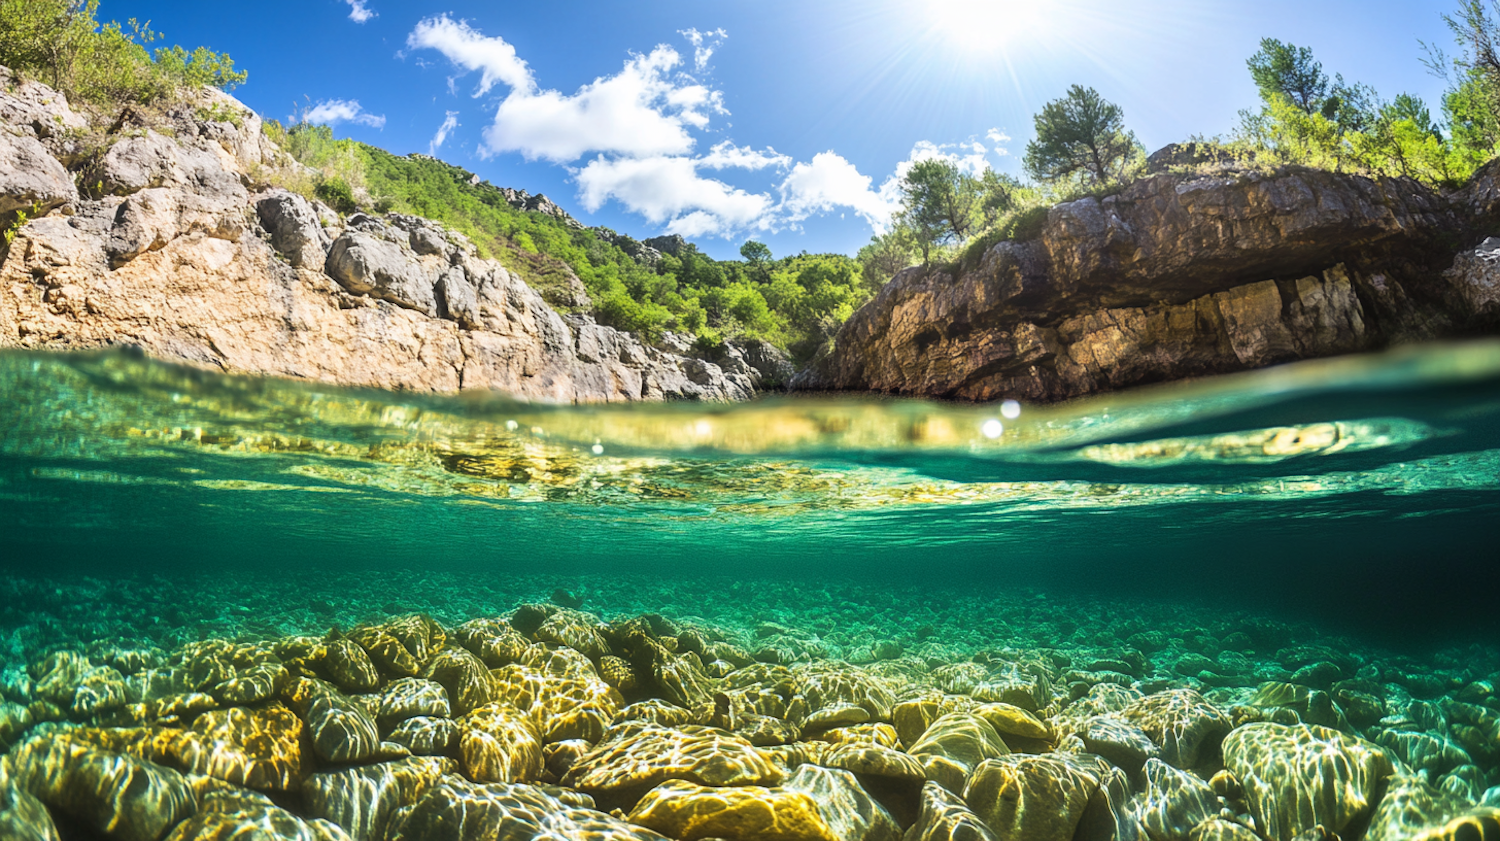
x: 1039, y: 798
x: 1478, y: 824
x: 362, y: 800
x: 1409, y: 807
x: 458, y: 810
x: 350, y: 666
x: 413, y: 697
x: 113, y: 793
x: 637, y: 756
x: 1296, y: 777
x: 876, y: 761
x: 498, y: 744
x: 426, y: 735
x: 1182, y: 722
x: 1122, y: 744
x: 22, y: 816
x: 463, y: 675
x: 954, y: 746
x: 944, y: 816
x: 816, y: 804
x: 245, y: 816
x: 341, y: 730
x: 259, y: 748
x: 1174, y: 802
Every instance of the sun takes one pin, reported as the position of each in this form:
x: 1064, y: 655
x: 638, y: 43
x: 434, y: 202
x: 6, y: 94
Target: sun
x: 979, y: 25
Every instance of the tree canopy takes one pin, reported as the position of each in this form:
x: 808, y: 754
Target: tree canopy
x: 1080, y: 134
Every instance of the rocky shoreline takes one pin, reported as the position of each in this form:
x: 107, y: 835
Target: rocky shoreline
x: 1182, y: 275
x: 176, y: 247
x: 742, y: 710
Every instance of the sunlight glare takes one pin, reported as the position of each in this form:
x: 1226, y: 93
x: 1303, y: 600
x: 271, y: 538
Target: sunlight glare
x: 990, y: 24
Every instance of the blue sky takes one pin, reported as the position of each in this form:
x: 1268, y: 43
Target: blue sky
x: 779, y: 121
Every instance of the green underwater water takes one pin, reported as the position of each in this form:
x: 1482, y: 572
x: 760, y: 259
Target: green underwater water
x: 1359, y: 494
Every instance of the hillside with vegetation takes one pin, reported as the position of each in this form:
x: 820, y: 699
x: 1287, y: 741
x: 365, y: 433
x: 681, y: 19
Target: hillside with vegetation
x: 949, y: 218
x: 1305, y: 118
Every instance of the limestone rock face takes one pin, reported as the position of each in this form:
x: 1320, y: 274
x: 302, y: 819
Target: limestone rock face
x: 293, y: 225
x: 178, y: 259
x: 30, y: 179
x: 1179, y: 276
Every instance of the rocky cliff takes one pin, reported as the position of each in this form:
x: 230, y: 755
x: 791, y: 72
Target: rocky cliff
x: 1179, y: 276
x: 175, y: 246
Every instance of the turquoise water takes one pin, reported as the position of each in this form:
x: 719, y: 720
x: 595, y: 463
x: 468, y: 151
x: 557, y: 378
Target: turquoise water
x: 1358, y: 494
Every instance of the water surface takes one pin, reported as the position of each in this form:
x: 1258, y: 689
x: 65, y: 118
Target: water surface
x: 1357, y: 493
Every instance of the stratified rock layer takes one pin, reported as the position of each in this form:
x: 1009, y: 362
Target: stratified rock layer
x: 1180, y: 276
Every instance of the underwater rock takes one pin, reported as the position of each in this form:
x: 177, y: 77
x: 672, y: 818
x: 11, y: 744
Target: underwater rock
x: 636, y: 756
x: 458, y: 810
x: 815, y: 804
x: 911, y: 718
x: 1120, y: 743
x: 260, y: 748
x: 463, y: 675
x: 241, y: 815
x: 491, y: 640
x: 426, y: 736
x: 350, y: 666
x: 1040, y: 798
x: 1182, y: 722
x: 362, y: 800
x: 876, y: 761
x: 498, y: 744
x: 576, y: 631
x: 1478, y: 824
x: 656, y: 711
x: 123, y: 796
x: 954, y: 746
x: 1410, y: 807
x: 943, y: 816
x: 1296, y: 777
x: 1223, y: 829
x: 1423, y: 751
x: 341, y: 731
x: 1012, y: 722
x: 14, y: 721
x: 413, y: 697
x: 22, y: 816
x: 1173, y: 802
x: 385, y: 651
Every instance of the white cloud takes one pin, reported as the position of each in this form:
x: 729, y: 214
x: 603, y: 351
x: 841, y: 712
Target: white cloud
x: 331, y: 111
x: 471, y: 50
x: 968, y: 156
x: 669, y: 189
x: 644, y: 110
x: 704, y: 44
x: 450, y: 122
x: 726, y: 155
x: 358, y: 11
x: 996, y: 136
x: 829, y: 182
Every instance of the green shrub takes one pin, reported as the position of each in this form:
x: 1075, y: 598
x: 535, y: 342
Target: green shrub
x: 335, y: 192
x: 62, y: 43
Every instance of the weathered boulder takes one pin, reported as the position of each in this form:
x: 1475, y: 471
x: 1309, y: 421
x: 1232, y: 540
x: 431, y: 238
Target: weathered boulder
x: 30, y: 179
x: 293, y: 225
x: 29, y: 104
x: 1175, y: 276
